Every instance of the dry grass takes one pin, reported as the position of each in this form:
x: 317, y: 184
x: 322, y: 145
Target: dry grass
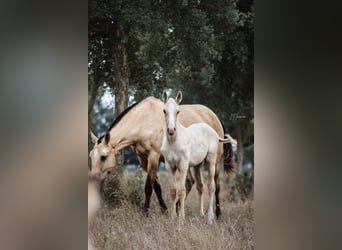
x: 127, y: 227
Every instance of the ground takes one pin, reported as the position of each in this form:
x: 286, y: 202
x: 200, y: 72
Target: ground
x: 127, y: 227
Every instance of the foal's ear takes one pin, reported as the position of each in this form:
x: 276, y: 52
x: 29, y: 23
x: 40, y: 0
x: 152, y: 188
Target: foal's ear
x: 164, y: 96
x: 93, y: 137
x: 179, y: 97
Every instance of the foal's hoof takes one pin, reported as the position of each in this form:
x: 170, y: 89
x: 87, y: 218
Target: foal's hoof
x: 210, y: 218
x: 181, y: 222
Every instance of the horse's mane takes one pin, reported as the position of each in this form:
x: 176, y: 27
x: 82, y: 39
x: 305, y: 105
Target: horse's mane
x: 117, y: 119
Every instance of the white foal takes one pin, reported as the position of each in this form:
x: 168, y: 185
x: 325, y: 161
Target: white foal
x: 183, y: 147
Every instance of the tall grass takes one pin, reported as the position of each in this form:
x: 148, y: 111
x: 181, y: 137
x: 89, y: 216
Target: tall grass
x: 127, y: 227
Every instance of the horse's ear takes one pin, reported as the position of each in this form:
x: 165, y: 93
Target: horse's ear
x: 93, y: 137
x: 179, y: 97
x: 164, y: 96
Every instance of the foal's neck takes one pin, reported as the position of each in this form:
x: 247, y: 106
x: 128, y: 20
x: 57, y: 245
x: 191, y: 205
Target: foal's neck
x: 172, y: 139
x: 179, y: 129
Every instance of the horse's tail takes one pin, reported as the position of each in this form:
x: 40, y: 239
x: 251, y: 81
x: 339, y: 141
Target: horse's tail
x: 228, y: 161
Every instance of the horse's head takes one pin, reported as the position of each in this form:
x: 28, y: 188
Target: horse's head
x: 102, y: 157
x: 171, y: 111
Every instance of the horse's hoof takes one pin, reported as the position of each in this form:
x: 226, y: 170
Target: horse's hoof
x: 146, y: 211
x: 164, y: 211
x: 218, y: 212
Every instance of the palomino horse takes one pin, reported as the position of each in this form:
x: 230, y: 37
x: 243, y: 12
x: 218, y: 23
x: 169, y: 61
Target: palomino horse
x: 141, y: 126
x: 183, y: 147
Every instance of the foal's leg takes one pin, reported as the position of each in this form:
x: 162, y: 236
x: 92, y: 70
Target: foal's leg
x: 181, y: 191
x: 189, y: 182
x: 172, y: 182
x: 199, y: 186
x: 211, y: 185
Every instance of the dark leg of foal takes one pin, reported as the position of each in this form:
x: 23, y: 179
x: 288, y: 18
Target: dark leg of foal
x: 148, y: 192
x: 189, y: 182
x: 158, y: 191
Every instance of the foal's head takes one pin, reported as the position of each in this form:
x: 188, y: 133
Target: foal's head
x: 171, y: 111
x: 102, y: 157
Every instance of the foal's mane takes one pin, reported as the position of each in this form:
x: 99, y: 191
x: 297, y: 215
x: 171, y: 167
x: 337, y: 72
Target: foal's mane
x: 116, y: 121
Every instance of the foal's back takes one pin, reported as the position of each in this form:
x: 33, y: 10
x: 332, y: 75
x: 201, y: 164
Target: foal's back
x: 203, y: 141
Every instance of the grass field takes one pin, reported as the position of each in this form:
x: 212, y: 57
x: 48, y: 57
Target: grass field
x: 127, y: 227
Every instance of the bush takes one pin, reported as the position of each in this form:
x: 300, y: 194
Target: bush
x: 111, y: 189
x: 135, y: 188
x: 242, y: 187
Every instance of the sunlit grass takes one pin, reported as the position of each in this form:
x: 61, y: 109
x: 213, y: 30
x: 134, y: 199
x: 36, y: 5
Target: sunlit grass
x: 127, y: 227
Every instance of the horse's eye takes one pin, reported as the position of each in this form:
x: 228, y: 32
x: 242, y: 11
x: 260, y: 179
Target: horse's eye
x: 177, y: 112
x: 103, y: 158
x: 164, y: 111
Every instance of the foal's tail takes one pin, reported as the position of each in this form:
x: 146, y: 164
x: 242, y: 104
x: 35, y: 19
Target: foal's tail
x: 228, y: 139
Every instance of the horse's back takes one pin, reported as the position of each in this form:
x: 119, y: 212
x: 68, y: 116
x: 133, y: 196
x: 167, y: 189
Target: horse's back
x: 146, y: 126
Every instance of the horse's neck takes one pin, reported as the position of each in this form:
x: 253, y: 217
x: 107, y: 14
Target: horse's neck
x: 120, y: 136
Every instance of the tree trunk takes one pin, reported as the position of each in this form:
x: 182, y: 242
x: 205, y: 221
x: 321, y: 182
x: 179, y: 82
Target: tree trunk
x: 93, y: 86
x: 121, y: 79
x: 239, y: 150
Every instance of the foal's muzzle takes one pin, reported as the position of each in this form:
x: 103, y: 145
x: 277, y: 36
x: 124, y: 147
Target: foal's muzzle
x: 171, y: 131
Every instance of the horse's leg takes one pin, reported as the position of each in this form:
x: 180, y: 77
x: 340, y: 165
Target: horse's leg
x: 158, y: 191
x: 211, y: 185
x: 199, y: 186
x: 217, y: 188
x: 148, y: 192
x: 152, y: 166
x: 189, y: 182
x: 148, y: 183
x: 148, y: 188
